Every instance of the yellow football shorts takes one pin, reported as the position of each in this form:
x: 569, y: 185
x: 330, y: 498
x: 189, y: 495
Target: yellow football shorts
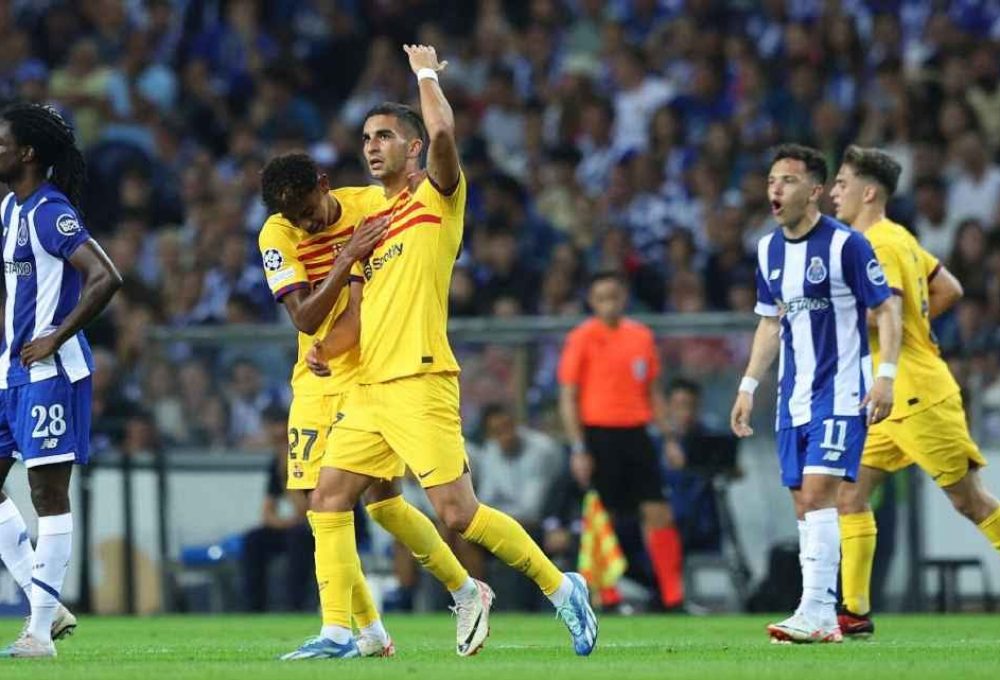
x: 309, y: 420
x: 937, y: 439
x: 410, y: 422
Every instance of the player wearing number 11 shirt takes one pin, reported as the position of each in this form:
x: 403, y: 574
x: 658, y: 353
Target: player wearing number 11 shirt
x: 816, y: 279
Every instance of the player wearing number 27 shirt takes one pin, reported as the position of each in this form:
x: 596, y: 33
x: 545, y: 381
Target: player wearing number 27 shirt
x: 816, y: 280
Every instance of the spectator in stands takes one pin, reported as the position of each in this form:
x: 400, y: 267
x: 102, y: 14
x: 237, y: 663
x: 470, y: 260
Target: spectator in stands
x: 975, y: 190
x: 517, y: 469
x: 283, y: 531
x: 934, y: 225
x: 639, y: 94
x: 506, y: 275
x: 516, y: 466
x: 691, y: 493
x: 233, y: 275
x: 249, y: 399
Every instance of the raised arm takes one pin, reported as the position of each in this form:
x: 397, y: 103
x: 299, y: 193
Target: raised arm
x: 442, y: 156
x: 100, y: 281
x: 766, y: 343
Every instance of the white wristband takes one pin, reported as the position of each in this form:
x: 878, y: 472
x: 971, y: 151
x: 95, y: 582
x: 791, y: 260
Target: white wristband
x: 426, y: 73
x: 886, y: 370
x: 749, y: 385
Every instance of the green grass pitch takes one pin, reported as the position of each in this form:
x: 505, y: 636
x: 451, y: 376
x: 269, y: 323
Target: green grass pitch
x: 520, y: 647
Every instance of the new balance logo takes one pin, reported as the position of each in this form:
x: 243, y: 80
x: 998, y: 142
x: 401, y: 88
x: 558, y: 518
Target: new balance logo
x: 832, y: 455
x: 50, y: 443
x: 22, y: 538
x: 775, y: 275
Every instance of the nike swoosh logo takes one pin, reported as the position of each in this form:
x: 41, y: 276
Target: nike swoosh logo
x: 424, y: 475
x: 472, y: 633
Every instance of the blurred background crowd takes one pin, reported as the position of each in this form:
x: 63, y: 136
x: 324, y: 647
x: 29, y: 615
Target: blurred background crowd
x: 619, y: 134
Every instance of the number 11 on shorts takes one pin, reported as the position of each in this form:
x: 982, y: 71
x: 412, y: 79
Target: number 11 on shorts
x: 834, y: 438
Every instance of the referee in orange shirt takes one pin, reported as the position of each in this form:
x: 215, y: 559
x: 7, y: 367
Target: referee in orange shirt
x: 609, y: 394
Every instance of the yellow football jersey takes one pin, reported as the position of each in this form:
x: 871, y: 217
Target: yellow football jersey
x: 923, y: 378
x: 295, y: 259
x: 404, y: 316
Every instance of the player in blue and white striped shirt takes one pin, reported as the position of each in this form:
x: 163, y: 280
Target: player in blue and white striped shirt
x: 56, y: 280
x: 816, y: 281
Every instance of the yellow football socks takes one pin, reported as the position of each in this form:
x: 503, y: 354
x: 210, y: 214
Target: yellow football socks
x: 418, y: 534
x: 508, y: 540
x: 362, y: 603
x: 991, y: 528
x: 337, y: 564
x: 857, y: 546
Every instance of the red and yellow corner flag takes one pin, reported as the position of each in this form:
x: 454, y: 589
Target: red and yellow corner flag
x: 601, y: 560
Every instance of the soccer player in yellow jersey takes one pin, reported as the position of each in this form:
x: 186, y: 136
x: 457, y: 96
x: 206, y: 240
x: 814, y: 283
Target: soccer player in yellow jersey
x: 308, y: 246
x: 927, y: 423
x: 405, y: 409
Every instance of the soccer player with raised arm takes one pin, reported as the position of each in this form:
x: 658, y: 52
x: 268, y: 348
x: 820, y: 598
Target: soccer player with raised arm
x: 927, y: 424
x: 308, y: 245
x: 405, y: 409
x: 816, y: 279
x: 56, y: 280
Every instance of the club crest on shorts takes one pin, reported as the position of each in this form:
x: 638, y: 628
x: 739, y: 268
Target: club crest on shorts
x: 816, y: 272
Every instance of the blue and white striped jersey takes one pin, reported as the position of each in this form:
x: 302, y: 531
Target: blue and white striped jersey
x: 820, y: 286
x: 42, y: 287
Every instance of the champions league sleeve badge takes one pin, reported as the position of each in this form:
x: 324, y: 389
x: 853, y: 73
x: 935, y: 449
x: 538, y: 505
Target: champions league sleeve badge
x: 273, y: 260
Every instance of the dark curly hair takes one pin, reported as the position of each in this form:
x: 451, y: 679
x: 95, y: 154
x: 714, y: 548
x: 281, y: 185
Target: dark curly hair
x: 287, y: 180
x: 47, y: 132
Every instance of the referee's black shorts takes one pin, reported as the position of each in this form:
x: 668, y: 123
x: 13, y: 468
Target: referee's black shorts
x: 626, y: 468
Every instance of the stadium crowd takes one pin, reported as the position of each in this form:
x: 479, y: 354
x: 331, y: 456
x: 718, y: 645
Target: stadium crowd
x: 627, y: 134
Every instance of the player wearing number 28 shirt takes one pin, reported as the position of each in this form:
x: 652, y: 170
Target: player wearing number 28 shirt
x: 56, y: 279
x: 816, y: 279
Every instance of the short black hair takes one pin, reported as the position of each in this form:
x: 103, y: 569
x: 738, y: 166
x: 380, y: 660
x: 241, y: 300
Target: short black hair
x: 813, y: 158
x: 603, y: 104
x: 410, y: 119
x: 875, y: 165
x: 274, y: 414
x: 607, y: 275
x: 684, y: 385
x: 287, y: 180
x: 933, y: 183
x: 494, y: 409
